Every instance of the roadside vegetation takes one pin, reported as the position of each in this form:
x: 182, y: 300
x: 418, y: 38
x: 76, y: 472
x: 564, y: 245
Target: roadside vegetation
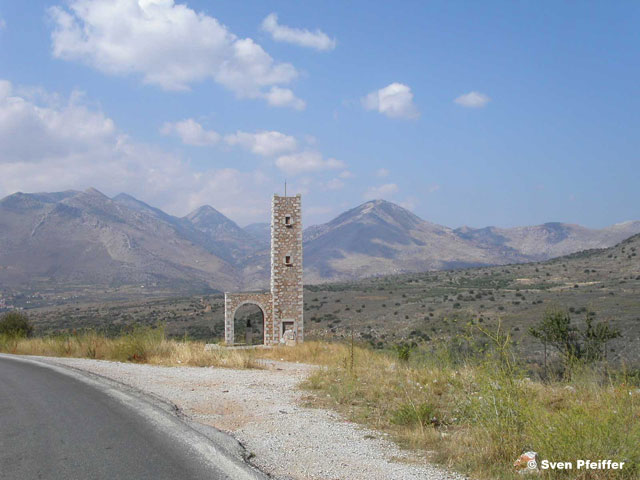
x: 140, y: 344
x: 471, y: 404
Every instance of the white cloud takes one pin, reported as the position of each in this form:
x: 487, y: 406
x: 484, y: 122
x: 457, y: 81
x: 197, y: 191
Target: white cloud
x: 433, y: 188
x: 284, y: 97
x: 30, y: 133
x: 169, y: 45
x: 52, y: 144
x: 307, y: 161
x: 191, y: 133
x: 345, y: 174
x: 473, y: 100
x: 382, y: 172
x: 381, y: 191
x: 301, y: 37
x: 394, y: 100
x: 334, y: 184
x: 266, y: 143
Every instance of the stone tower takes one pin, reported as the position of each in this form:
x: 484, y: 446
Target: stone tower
x: 286, y: 264
x: 282, y: 307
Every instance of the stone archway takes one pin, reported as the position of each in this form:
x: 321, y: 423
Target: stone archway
x: 233, y: 301
x: 248, y: 324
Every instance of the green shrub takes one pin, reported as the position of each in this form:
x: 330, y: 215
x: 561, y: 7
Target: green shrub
x: 15, y: 325
x: 403, y: 351
x: 410, y: 414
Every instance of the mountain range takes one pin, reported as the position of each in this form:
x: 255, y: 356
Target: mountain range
x: 75, y: 239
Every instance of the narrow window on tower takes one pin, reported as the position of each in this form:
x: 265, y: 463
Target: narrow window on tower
x: 287, y: 220
x: 287, y: 260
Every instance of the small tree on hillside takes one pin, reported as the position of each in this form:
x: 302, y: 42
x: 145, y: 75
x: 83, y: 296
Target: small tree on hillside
x: 556, y: 330
x: 596, y: 338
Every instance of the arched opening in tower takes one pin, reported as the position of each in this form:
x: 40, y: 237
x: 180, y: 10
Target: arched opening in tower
x: 248, y: 325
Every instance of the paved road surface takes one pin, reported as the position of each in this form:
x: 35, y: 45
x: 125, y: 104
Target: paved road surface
x: 57, y: 426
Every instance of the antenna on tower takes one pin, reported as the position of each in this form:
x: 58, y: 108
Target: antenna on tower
x: 285, y: 188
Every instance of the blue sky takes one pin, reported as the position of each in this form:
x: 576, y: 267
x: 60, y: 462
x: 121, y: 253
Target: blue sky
x: 467, y: 113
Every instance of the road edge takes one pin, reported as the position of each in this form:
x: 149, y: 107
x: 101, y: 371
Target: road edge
x: 216, y: 448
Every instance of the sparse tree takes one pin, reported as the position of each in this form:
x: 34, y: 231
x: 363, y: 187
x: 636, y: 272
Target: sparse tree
x: 555, y: 330
x: 596, y: 338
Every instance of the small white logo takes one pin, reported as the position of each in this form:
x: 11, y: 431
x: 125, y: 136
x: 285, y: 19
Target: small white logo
x: 527, y: 462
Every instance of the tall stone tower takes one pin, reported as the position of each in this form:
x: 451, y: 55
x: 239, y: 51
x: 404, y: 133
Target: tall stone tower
x: 282, y: 307
x: 286, y: 264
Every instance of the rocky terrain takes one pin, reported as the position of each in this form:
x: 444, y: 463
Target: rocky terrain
x: 84, y: 241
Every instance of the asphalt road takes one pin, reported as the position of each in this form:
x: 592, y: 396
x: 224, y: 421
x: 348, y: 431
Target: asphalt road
x: 56, y: 426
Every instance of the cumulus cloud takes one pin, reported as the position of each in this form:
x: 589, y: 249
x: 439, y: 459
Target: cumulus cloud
x: 297, y: 36
x: 284, y: 97
x: 266, y: 143
x: 473, y: 100
x: 51, y: 144
x: 394, y: 100
x: 191, y: 133
x: 307, y: 161
x: 29, y: 131
x: 169, y: 45
x: 381, y: 191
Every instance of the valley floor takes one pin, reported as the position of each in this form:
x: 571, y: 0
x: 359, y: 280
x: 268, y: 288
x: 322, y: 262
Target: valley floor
x: 266, y: 412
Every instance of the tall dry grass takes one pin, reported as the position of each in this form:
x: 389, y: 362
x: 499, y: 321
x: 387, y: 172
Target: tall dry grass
x: 477, y: 417
x: 142, y: 345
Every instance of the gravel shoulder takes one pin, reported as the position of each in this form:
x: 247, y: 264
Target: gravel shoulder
x: 263, y: 410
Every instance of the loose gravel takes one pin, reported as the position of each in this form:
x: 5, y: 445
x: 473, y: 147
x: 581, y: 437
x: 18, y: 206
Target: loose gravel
x: 263, y: 410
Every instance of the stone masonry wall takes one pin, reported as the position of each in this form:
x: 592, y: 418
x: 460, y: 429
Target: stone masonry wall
x: 286, y: 279
x: 233, y: 301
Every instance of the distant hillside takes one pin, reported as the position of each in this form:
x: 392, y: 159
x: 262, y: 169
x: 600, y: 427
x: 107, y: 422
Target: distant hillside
x: 432, y: 307
x: 261, y: 232
x: 379, y: 237
x: 550, y: 240
x: 224, y: 237
x: 69, y: 241
x: 85, y: 238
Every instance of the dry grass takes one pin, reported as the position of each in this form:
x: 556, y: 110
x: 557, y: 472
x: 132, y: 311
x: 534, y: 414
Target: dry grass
x: 479, y: 417
x: 317, y: 353
x: 143, y: 345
